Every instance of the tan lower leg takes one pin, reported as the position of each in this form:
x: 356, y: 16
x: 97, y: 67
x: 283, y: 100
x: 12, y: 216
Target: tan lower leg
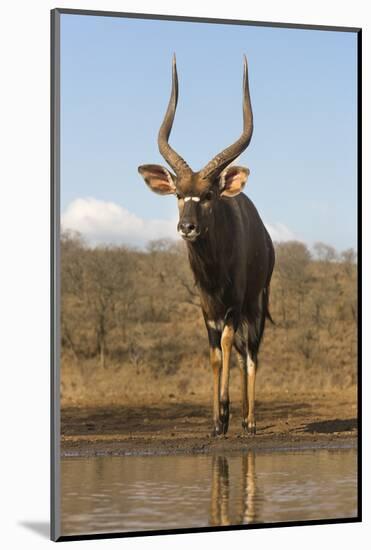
x: 216, y: 363
x: 227, y: 342
x: 251, y: 375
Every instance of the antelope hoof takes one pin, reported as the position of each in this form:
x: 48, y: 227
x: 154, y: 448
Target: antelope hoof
x: 249, y: 427
x: 218, y: 429
x: 224, y: 415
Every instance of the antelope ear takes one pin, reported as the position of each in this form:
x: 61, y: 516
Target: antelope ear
x: 232, y: 180
x: 158, y: 178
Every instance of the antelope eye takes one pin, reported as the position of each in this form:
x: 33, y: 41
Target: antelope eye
x: 209, y: 196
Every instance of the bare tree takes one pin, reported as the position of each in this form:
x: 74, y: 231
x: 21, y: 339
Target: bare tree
x: 349, y: 258
x: 108, y: 292
x: 72, y: 281
x: 324, y: 252
x: 293, y: 258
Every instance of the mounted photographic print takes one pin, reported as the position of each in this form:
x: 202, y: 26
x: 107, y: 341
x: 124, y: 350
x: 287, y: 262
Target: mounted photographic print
x: 205, y: 320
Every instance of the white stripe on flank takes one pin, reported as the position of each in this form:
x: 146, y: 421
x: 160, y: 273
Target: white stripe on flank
x: 216, y: 325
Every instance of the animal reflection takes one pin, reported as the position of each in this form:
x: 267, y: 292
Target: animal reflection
x: 220, y: 508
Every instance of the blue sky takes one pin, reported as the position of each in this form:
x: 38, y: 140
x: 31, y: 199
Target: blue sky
x: 115, y: 85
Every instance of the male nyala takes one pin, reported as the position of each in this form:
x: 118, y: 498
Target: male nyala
x: 230, y: 253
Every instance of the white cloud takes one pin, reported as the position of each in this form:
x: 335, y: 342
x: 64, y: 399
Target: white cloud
x: 101, y: 222
x: 280, y: 232
x: 106, y: 222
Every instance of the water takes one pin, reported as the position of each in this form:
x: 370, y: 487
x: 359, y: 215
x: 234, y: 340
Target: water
x: 131, y: 493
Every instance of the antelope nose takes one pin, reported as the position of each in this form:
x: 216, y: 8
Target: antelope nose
x: 187, y: 227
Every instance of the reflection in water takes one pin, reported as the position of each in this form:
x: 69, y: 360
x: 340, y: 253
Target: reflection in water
x: 133, y: 493
x: 220, y: 513
x: 249, y: 500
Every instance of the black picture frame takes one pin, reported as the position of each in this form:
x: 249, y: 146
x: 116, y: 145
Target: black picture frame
x: 55, y: 349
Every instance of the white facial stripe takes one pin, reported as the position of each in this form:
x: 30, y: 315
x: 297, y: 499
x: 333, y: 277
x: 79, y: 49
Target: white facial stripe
x: 195, y: 199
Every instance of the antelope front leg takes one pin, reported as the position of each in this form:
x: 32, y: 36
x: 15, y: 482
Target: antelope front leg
x: 226, y: 342
x: 216, y: 364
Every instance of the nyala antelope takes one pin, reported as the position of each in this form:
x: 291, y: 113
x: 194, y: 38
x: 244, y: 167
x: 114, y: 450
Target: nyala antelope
x: 230, y: 253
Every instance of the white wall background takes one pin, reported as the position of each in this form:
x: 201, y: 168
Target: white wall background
x: 24, y: 273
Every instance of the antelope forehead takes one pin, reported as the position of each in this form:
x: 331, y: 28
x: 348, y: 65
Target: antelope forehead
x: 192, y: 188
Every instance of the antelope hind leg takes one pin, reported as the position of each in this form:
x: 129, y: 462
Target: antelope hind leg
x: 250, y: 423
x: 242, y: 363
x: 216, y: 364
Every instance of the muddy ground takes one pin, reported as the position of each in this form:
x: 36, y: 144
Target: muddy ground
x: 299, y: 421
